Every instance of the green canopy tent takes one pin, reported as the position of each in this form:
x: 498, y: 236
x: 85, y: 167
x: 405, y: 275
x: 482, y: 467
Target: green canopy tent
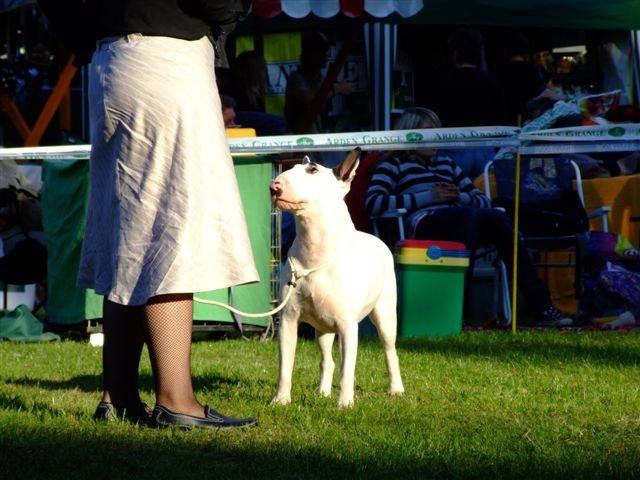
x: 609, y: 14
x: 583, y: 14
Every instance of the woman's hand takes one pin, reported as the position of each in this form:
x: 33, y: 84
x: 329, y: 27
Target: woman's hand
x: 445, y: 192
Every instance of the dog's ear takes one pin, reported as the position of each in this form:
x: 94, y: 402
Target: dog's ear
x: 347, y: 169
x: 306, y: 160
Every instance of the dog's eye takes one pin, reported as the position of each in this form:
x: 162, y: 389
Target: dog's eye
x: 312, y: 168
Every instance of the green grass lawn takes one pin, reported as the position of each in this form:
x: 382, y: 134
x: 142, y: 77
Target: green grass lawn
x: 478, y: 405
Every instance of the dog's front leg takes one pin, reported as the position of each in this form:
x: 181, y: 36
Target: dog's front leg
x: 287, y: 340
x: 348, y: 354
x: 327, y: 365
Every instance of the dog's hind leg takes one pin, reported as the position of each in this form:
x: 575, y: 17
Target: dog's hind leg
x: 348, y: 355
x: 327, y: 365
x: 385, y: 320
x: 287, y: 340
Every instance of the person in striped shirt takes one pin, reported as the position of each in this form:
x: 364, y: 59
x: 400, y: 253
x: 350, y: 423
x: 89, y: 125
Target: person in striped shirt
x: 443, y: 204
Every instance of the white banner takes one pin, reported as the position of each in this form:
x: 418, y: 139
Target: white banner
x: 618, y: 137
x: 378, y: 140
x: 589, y: 133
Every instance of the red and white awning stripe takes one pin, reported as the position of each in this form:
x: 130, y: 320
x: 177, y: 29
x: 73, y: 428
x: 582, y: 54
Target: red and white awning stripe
x: 330, y: 8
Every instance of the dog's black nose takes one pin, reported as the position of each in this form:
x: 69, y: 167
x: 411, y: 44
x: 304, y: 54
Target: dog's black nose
x: 275, y: 189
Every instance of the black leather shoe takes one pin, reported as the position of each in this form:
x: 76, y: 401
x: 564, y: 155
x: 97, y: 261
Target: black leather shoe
x: 163, y: 417
x: 107, y: 412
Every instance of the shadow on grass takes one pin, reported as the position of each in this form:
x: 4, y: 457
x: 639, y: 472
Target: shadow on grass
x: 141, y: 453
x: 612, y: 349
x: 93, y: 383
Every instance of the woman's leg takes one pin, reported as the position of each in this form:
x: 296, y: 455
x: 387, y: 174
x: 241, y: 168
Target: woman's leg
x: 168, y: 325
x: 497, y: 229
x: 123, y: 342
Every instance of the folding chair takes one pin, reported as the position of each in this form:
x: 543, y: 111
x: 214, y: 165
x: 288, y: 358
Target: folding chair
x: 552, y: 214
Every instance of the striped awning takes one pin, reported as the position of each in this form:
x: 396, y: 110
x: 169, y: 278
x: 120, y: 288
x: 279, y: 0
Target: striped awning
x: 331, y: 8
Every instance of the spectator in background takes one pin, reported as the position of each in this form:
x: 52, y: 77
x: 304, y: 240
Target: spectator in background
x: 443, y: 204
x: 467, y: 96
x: 228, y: 111
x: 561, y: 114
x: 522, y: 80
x: 249, y: 81
x: 303, y: 85
x: 248, y: 87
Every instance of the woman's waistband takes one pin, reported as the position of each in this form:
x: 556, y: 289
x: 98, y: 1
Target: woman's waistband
x: 107, y: 41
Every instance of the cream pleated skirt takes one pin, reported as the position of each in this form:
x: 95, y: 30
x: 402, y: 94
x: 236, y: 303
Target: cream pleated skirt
x: 165, y: 214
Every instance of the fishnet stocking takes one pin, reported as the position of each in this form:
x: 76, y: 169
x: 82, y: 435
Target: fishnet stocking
x: 168, y: 323
x: 123, y: 342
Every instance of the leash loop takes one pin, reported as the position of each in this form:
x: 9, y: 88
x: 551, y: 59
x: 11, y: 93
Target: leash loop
x: 295, y: 275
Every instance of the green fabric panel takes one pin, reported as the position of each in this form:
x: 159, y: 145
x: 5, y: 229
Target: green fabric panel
x: 254, y: 176
x: 64, y: 199
x: 21, y: 325
x: 65, y: 190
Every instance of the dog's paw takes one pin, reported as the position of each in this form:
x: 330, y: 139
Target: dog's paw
x: 345, y: 403
x: 396, y: 387
x: 396, y: 393
x: 281, y: 400
x: 324, y: 392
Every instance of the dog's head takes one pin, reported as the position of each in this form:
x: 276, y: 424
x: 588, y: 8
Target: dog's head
x: 309, y: 184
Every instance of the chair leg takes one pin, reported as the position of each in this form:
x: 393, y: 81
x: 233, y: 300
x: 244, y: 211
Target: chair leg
x: 503, y: 283
x: 496, y: 291
x: 506, y: 298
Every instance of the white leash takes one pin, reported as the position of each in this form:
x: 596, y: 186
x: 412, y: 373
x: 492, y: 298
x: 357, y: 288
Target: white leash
x: 295, y: 275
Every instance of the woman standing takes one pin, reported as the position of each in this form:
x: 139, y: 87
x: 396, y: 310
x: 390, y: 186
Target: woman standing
x: 165, y: 217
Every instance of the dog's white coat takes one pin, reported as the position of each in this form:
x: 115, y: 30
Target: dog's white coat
x: 352, y: 276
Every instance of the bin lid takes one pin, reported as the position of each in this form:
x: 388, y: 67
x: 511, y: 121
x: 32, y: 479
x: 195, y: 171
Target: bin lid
x: 431, y: 252
x: 429, y: 243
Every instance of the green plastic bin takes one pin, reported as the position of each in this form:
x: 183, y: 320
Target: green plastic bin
x: 430, y: 287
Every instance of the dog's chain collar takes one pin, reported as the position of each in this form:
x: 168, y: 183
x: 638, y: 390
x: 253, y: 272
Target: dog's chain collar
x: 303, y: 272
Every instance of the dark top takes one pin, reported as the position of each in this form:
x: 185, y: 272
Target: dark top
x: 522, y: 81
x: 465, y: 97
x: 243, y: 102
x: 296, y: 106
x: 148, y: 17
x: 80, y: 23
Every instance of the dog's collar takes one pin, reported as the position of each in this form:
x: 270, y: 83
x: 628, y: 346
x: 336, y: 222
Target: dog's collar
x: 303, y: 272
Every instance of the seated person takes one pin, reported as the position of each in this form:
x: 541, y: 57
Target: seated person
x: 470, y: 160
x: 263, y: 123
x: 549, y: 110
x: 443, y: 204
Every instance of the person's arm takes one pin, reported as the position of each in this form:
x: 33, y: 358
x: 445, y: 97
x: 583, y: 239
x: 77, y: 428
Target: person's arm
x: 469, y: 193
x: 299, y: 88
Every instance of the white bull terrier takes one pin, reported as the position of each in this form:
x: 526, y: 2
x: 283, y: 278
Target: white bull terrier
x: 341, y: 275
